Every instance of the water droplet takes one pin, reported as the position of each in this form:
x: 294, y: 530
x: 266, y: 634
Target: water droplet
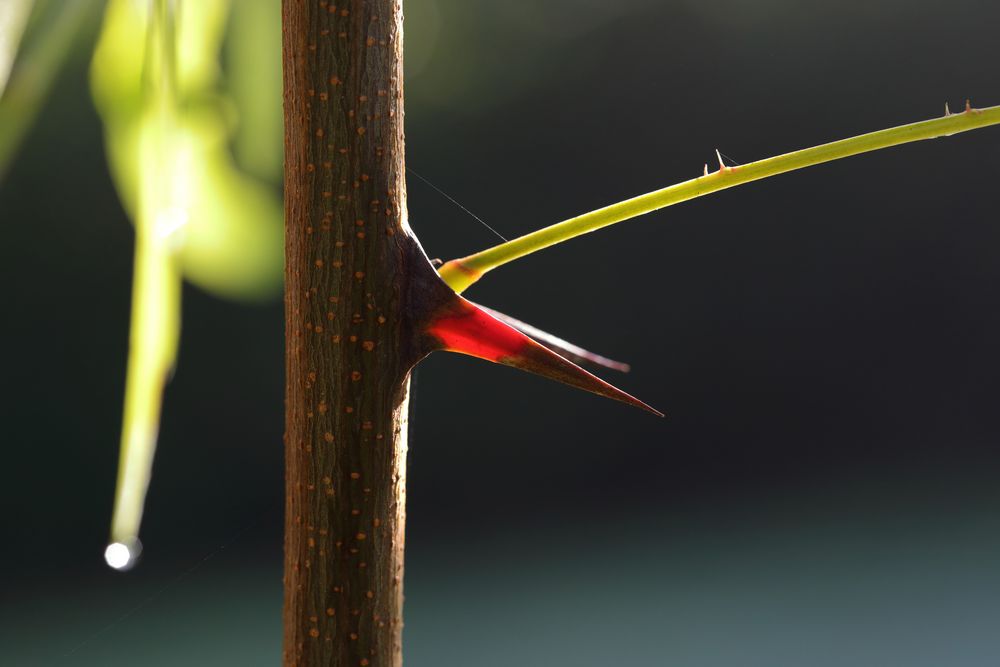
x: 121, y: 556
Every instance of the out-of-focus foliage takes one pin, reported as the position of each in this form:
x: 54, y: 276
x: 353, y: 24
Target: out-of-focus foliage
x: 157, y: 82
x: 253, y: 76
x: 231, y: 239
x: 36, y: 36
x: 13, y: 18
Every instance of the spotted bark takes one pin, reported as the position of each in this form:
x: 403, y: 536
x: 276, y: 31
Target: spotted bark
x: 349, y: 264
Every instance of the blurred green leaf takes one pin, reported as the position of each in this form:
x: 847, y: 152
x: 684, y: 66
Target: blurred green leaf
x: 231, y: 242
x: 155, y: 79
x: 45, y: 40
x: 253, y: 72
x: 13, y: 19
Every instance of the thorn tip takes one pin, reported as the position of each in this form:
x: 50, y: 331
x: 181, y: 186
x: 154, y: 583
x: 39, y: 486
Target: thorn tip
x: 462, y: 326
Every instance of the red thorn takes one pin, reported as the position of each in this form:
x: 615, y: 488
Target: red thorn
x: 563, y: 348
x: 461, y: 326
x: 968, y: 106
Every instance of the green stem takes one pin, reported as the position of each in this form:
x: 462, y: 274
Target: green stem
x: 156, y: 294
x: 463, y: 272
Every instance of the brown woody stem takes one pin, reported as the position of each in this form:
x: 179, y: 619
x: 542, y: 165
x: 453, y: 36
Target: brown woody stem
x: 349, y: 258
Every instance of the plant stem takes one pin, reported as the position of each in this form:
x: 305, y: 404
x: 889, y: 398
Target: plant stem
x: 156, y: 293
x: 463, y: 272
x: 347, y: 271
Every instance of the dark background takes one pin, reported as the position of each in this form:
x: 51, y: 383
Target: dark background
x: 823, y: 491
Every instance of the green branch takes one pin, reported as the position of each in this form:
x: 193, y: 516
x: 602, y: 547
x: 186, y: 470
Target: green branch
x: 463, y: 272
x: 156, y: 292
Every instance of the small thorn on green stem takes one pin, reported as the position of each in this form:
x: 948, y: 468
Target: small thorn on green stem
x: 460, y: 274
